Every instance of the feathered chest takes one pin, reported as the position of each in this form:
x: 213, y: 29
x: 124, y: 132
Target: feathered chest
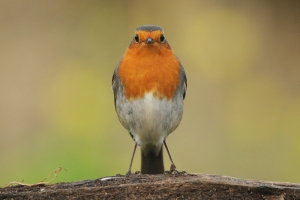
x: 142, y: 73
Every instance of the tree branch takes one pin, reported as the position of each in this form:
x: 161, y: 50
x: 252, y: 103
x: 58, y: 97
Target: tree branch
x: 190, y: 186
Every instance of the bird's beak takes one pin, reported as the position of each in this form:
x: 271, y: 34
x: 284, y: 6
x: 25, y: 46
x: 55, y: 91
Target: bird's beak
x: 149, y: 41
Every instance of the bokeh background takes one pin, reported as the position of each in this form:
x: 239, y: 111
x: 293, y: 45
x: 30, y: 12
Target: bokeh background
x: 242, y: 109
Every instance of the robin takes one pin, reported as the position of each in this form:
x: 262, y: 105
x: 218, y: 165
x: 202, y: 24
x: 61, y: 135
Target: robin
x: 149, y: 86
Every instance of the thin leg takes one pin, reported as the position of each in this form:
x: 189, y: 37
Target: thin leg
x: 173, y: 167
x: 129, y: 170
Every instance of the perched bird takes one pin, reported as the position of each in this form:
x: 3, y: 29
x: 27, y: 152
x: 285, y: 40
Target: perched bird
x: 149, y: 86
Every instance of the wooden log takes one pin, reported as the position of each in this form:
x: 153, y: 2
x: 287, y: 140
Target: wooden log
x: 164, y: 186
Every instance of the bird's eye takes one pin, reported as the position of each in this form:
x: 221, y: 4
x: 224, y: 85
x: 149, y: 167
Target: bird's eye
x: 136, y: 38
x: 162, y: 38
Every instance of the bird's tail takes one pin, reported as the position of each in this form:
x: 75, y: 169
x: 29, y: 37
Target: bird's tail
x: 152, y: 163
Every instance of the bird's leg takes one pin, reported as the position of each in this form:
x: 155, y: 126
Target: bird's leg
x: 173, y: 166
x: 129, y: 170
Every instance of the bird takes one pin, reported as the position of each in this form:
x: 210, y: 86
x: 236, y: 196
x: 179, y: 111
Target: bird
x: 149, y: 85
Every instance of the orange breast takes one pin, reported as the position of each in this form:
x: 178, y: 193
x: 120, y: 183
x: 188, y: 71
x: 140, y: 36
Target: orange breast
x: 150, y: 69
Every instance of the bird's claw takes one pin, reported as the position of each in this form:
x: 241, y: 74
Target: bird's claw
x: 128, y: 173
x: 172, y: 170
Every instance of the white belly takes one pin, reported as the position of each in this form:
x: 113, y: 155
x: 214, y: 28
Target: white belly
x: 149, y: 119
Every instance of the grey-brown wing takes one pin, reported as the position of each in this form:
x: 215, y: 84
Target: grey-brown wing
x: 115, y: 84
x: 183, y: 80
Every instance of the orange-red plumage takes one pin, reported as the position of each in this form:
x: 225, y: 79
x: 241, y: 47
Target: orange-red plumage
x: 149, y: 68
x: 149, y: 86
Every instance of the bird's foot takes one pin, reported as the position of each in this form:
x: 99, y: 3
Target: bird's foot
x: 174, y: 171
x: 128, y: 173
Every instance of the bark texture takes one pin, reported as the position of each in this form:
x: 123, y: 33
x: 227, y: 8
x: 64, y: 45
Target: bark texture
x: 137, y: 186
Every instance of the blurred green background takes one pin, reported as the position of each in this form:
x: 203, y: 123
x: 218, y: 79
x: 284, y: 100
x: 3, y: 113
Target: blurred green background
x: 242, y: 109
